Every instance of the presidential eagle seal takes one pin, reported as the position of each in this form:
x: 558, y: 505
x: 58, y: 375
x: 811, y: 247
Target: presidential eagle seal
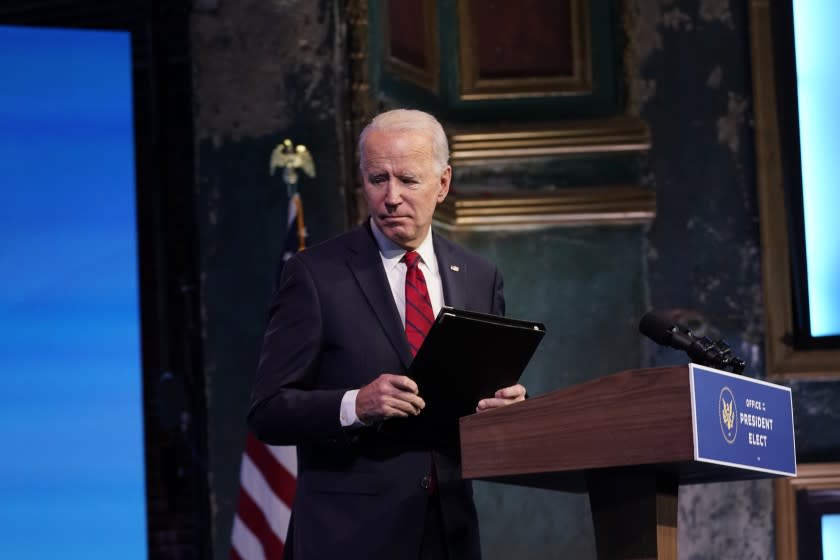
x: 728, y: 415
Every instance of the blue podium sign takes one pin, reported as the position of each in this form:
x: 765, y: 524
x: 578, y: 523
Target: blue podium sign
x: 742, y: 422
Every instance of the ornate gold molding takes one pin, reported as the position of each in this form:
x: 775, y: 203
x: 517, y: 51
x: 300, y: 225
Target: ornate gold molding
x: 613, y: 205
x: 783, y: 361
x: 473, y: 87
x: 619, y: 134
x: 813, y: 476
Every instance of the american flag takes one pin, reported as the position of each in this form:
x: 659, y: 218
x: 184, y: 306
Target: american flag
x: 268, y: 473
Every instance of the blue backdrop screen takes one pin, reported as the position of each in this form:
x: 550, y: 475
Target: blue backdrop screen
x: 818, y: 81
x: 831, y: 536
x: 72, y: 474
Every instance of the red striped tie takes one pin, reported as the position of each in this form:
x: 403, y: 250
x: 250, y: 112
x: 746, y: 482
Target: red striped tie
x: 419, y: 314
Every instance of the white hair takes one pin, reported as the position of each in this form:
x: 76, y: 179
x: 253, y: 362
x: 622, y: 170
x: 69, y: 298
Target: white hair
x: 410, y: 119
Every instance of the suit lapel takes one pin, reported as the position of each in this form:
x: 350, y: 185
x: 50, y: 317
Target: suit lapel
x: 366, y: 265
x: 452, y: 273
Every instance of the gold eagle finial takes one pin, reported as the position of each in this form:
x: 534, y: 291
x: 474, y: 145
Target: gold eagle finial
x: 291, y: 158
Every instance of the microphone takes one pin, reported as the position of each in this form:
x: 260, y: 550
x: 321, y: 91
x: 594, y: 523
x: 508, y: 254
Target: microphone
x: 701, y: 350
x: 666, y: 334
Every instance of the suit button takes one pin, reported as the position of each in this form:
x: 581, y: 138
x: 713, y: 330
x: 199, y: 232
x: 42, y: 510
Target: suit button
x: 426, y: 482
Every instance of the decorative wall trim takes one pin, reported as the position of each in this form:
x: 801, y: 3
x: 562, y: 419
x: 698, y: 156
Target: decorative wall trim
x: 474, y: 87
x: 619, y: 134
x: 425, y: 77
x: 783, y: 360
x: 810, y: 476
x: 362, y: 104
x: 612, y: 205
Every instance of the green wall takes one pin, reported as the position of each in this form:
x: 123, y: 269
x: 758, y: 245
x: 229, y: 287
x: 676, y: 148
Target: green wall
x: 587, y: 286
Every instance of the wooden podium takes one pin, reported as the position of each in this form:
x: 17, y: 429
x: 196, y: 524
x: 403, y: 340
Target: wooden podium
x: 627, y: 439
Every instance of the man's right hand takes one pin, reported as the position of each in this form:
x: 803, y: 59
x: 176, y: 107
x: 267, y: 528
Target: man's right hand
x: 388, y: 396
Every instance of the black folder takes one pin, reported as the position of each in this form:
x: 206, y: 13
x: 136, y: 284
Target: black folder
x: 468, y: 356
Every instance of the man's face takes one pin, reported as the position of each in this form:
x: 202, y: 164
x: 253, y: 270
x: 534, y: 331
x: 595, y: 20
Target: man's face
x: 402, y: 186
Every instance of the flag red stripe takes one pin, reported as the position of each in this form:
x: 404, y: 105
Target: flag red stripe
x: 234, y: 555
x: 281, y: 481
x: 254, y: 518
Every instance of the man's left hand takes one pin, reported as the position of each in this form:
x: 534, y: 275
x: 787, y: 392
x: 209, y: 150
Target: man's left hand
x: 502, y: 397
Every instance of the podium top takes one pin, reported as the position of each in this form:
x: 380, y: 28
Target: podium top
x: 638, y: 419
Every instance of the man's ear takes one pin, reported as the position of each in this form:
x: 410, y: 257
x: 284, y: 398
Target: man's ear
x: 445, y: 180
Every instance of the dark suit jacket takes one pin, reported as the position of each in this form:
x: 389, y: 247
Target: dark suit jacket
x: 334, y: 326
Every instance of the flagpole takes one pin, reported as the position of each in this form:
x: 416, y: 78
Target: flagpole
x: 268, y: 473
x: 291, y: 158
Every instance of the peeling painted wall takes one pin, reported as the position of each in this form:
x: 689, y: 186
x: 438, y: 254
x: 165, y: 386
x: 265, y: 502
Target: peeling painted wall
x: 262, y: 71
x: 689, y: 78
x: 688, y: 74
x: 256, y: 62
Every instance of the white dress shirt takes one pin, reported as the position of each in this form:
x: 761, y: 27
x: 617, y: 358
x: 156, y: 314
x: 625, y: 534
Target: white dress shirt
x: 395, y: 270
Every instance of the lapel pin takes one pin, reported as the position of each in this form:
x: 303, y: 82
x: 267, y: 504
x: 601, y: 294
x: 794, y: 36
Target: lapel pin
x: 454, y: 268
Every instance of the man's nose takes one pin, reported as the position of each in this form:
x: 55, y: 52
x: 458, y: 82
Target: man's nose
x: 392, y: 194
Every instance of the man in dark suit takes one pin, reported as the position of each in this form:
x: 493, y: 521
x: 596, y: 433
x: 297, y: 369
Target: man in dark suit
x: 345, y: 321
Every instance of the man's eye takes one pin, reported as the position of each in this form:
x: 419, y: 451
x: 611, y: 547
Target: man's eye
x: 408, y: 180
x: 377, y: 179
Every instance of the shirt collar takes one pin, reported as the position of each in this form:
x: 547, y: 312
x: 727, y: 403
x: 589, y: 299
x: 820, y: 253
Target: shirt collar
x: 392, y: 253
